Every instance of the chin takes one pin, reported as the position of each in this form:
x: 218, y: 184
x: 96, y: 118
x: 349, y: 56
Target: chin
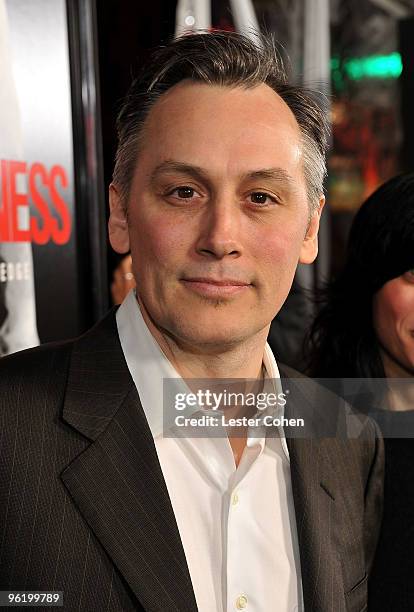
x: 211, y: 335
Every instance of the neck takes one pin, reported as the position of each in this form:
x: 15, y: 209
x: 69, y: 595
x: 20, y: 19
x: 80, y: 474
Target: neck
x: 241, y: 360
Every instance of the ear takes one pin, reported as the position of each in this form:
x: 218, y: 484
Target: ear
x: 309, y: 248
x: 117, y: 224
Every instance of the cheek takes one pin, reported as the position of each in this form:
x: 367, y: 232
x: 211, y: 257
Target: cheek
x: 383, y: 312
x: 275, y: 258
x: 276, y: 248
x: 393, y: 309
x: 396, y: 308
x: 156, y: 244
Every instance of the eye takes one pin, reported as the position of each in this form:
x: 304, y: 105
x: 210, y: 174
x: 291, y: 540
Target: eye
x: 184, y: 192
x: 261, y: 198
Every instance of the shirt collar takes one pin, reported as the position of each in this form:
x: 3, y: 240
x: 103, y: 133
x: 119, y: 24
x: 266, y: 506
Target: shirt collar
x: 149, y: 367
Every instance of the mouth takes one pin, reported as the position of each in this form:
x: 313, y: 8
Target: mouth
x: 211, y: 287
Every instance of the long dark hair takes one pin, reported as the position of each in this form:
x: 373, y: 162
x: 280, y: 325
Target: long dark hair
x: 342, y: 340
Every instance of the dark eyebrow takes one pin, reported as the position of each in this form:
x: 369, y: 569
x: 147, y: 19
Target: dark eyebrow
x: 174, y: 166
x: 274, y: 174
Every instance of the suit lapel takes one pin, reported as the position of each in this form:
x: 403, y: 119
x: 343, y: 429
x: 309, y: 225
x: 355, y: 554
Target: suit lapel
x: 316, y: 523
x: 117, y: 482
x: 314, y: 488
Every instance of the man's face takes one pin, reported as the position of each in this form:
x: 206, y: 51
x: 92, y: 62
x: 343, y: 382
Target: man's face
x: 218, y: 215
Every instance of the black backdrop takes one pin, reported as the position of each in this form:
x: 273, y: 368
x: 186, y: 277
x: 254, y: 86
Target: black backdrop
x: 126, y: 32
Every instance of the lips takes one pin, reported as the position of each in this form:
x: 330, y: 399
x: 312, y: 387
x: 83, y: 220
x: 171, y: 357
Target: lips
x: 218, y: 282
x: 212, y: 287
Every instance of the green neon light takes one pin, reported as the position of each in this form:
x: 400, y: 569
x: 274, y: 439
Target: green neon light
x: 337, y: 75
x: 371, y: 67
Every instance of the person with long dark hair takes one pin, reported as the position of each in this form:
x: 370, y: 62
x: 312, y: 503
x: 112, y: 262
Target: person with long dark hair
x: 365, y: 329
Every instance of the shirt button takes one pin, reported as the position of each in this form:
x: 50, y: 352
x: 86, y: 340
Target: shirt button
x: 235, y: 501
x: 241, y: 602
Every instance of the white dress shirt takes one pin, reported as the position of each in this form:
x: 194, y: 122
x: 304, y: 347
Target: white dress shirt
x: 237, y: 525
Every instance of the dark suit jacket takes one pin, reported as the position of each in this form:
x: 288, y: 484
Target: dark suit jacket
x: 84, y: 507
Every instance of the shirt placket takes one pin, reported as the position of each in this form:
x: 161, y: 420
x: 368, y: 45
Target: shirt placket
x: 239, y: 539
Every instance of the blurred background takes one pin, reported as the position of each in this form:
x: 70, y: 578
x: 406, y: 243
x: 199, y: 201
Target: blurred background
x: 64, y: 67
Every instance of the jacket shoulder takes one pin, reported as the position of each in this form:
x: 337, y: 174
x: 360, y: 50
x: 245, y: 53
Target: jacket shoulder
x: 38, y: 361
x: 326, y: 397
x: 289, y: 372
x: 33, y: 383
x: 55, y: 356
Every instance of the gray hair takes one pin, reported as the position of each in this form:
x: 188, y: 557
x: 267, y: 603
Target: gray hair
x: 227, y: 59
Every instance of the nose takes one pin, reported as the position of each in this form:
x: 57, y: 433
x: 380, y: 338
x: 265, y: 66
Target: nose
x: 220, y: 229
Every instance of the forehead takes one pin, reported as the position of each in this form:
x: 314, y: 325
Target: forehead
x: 222, y: 129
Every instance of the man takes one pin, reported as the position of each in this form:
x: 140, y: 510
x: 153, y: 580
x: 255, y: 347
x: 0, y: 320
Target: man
x: 217, y: 192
